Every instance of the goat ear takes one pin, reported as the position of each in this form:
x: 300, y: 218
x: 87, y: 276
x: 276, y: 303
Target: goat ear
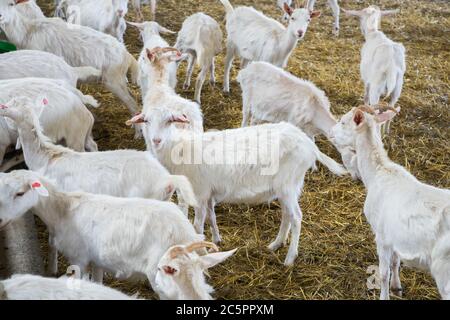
x: 8, y: 112
x: 386, y: 116
x: 287, y: 8
x: 355, y: 13
x: 20, y: 1
x: 170, y: 271
x: 212, y: 259
x: 138, y: 25
x: 140, y: 118
x: 315, y: 14
x: 389, y: 12
x: 358, y: 117
x: 179, y: 118
x: 165, y: 30
x: 39, y: 188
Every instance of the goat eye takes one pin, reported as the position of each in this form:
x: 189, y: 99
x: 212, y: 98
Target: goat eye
x: 20, y: 194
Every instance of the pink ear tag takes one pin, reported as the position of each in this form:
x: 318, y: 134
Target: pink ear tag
x: 40, y: 189
x: 45, y: 101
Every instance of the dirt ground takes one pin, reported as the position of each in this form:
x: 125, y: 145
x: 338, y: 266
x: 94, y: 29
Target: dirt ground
x: 336, y: 246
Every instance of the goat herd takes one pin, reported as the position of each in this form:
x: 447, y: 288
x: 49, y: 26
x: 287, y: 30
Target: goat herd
x: 111, y: 211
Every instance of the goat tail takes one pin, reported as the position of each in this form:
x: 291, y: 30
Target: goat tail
x: 332, y: 165
x: 87, y: 74
x: 133, y: 67
x: 89, y: 100
x: 185, y: 190
x: 228, y: 7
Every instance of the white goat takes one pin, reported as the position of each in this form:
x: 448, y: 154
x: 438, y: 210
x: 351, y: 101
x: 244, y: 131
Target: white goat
x: 161, y: 95
x: 201, y: 38
x: 30, y: 9
x: 137, y: 7
x: 280, y: 4
x: 80, y: 46
x: 106, y: 16
x: 31, y: 287
x: 270, y: 94
x: 334, y: 8
x: 382, y: 60
x: 255, y: 37
x: 230, y: 167
x: 121, y: 173
x: 40, y: 64
x: 150, y: 34
x: 411, y: 220
x: 126, y: 237
x: 65, y: 119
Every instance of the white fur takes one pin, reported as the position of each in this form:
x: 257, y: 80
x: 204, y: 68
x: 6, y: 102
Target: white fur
x: 31, y: 10
x: 240, y: 181
x: 200, y: 37
x: 64, y: 119
x: 106, y: 16
x: 137, y: 7
x: 150, y: 34
x: 127, y: 237
x: 40, y: 64
x: 334, y: 5
x: 411, y: 220
x: 121, y: 173
x: 382, y: 60
x: 270, y: 94
x: 160, y: 94
x: 255, y: 37
x: 80, y: 46
x: 31, y: 287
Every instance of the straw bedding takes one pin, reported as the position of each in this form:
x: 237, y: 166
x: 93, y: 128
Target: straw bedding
x: 336, y: 246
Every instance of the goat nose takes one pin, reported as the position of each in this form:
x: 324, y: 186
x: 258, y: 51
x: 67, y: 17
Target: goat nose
x: 156, y: 141
x: 300, y: 33
x: 120, y: 13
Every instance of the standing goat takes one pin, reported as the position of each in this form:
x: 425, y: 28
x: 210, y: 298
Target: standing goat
x: 270, y: 94
x: 411, y: 220
x: 41, y: 64
x: 64, y: 116
x: 127, y: 237
x: 121, y: 173
x: 201, y: 38
x: 161, y: 95
x: 252, y: 166
x: 336, y: 12
x: 106, y: 16
x: 80, y: 46
x: 383, y: 63
x: 31, y: 287
x: 255, y: 37
x: 150, y: 34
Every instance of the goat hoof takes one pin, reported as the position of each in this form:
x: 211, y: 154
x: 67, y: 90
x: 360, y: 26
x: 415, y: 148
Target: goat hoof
x: 274, y: 246
x: 289, y: 261
x: 397, y: 292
